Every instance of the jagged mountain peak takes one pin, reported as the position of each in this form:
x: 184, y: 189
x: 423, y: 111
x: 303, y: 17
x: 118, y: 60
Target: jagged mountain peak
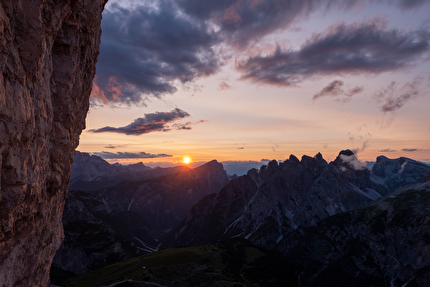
x: 294, y: 159
x: 394, y: 173
x: 86, y: 158
x: 210, y: 165
x: 269, y: 203
x: 346, y: 152
x: 347, y: 160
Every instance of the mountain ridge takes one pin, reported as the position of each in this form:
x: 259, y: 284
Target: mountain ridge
x: 131, y: 217
x: 267, y: 204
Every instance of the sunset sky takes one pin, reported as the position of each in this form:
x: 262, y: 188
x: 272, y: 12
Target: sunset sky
x: 245, y: 81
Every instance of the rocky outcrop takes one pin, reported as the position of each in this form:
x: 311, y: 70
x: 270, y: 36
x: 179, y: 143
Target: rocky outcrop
x: 48, y: 52
x: 95, y: 235
x: 384, y: 244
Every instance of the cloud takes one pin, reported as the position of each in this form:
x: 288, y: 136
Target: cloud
x: 334, y: 89
x: 152, y: 122
x: 364, y: 146
x: 388, y: 150
x: 147, y: 51
x: 411, y: 149
x: 113, y: 146
x: 124, y: 155
x: 411, y: 4
x: 352, y: 161
x: 365, y: 48
x: 224, y: 86
x: 394, y: 96
x: 154, y: 47
x: 242, y: 23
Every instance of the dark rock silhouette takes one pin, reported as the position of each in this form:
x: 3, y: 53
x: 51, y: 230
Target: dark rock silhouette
x: 277, y: 201
x: 91, y: 172
x: 384, y: 244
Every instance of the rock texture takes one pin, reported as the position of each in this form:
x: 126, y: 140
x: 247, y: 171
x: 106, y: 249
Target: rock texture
x: 384, y: 244
x: 165, y: 201
x: 48, y: 52
x: 130, y: 218
x: 274, y: 203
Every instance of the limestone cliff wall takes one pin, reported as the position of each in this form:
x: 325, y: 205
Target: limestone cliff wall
x: 48, y: 52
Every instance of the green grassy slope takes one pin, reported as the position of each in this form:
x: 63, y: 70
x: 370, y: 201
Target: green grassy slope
x: 231, y: 263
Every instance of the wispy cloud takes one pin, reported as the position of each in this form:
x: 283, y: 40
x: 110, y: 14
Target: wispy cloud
x: 152, y: 122
x: 125, y: 155
x: 395, y: 96
x: 224, y: 86
x: 411, y: 149
x: 114, y: 146
x: 334, y: 89
x: 388, y: 150
x: 360, y: 48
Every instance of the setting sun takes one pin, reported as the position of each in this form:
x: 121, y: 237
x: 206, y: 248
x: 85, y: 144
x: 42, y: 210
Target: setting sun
x: 186, y: 159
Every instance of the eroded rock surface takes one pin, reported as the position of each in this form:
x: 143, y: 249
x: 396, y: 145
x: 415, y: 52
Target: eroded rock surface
x: 48, y: 52
x: 271, y: 205
x: 384, y: 244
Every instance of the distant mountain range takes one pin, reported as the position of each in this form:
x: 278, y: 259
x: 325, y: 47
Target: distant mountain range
x: 91, y: 172
x: 326, y: 218
x: 265, y: 205
x: 127, y: 217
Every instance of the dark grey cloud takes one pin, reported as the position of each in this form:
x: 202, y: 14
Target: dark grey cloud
x: 113, y: 146
x: 185, y: 126
x: 334, y: 89
x: 411, y: 149
x: 411, y: 4
x: 387, y: 150
x: 244, y: 22
x: 395, y: 96
x: 152, y: 122
x: 125, y: 155
x: 343, y: 50
x: 149, y: 51
x: 157, y: 46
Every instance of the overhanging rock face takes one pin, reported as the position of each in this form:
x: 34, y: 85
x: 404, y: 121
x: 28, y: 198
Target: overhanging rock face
x: 48, y: 52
